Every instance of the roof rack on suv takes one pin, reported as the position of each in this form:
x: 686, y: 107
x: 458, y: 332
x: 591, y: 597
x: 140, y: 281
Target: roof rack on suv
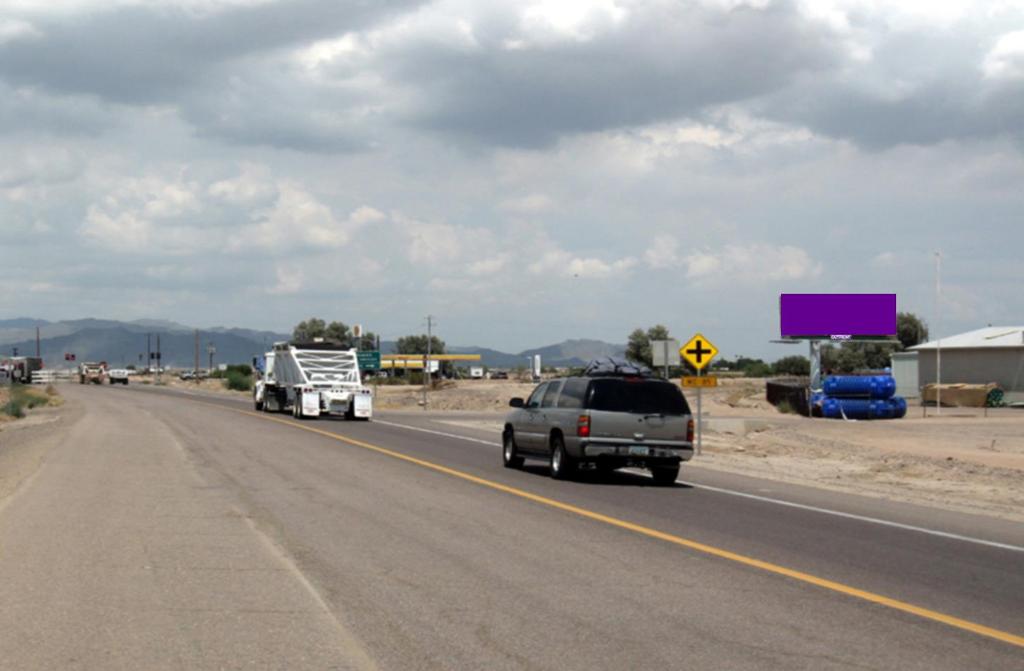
x: 608, y: 366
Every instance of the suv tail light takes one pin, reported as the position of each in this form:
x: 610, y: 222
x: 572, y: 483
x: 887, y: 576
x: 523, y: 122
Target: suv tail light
x: 689, y: 431
x: 583, y: 426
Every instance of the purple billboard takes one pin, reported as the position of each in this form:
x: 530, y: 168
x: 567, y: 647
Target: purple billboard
x: 837, y: 316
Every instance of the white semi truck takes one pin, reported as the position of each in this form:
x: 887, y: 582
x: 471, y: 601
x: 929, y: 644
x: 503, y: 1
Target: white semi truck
x: 312, y: 379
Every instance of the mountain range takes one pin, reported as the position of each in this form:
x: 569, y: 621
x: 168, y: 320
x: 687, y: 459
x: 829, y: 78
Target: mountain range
x: 124, y: 343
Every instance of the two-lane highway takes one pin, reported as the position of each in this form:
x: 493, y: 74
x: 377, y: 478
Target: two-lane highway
x: 420, y: 551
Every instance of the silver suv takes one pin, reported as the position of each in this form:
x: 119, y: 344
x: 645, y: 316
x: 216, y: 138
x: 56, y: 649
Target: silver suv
x: 605, y: 422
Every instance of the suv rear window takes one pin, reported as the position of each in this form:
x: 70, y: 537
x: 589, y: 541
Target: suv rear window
x: 636, y: 396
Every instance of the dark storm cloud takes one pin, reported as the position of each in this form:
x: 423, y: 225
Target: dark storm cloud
x: 920, y: 87
x: 665, y: 62
x: 151, y: 54
x: 27, y: 110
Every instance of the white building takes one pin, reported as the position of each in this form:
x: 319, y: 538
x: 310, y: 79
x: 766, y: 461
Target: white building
x: 992, y: 354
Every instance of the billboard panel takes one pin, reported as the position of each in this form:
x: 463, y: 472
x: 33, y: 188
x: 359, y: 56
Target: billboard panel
x: 837, y: 316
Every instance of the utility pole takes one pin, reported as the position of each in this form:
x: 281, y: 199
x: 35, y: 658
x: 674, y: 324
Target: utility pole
x: 197, y: 357
x: 37, y: 343
x: 938, y: 339
x: 426, y: 361
x: 158, y: 364
x: 149, y: 353
x: 211, y: 350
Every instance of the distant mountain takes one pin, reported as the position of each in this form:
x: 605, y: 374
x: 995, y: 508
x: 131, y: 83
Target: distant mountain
x: 120, y: 346
x: 160, y: 325
x: 122, y: 343
x: 492, y: 357
x: 270, y: 337
x: 571, y: 353
x: 22, y: 323
x: 575, y: 352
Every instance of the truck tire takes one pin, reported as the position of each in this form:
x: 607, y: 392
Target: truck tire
x: 563, y: 466
x: 665, y: 475
x: 257, y: 404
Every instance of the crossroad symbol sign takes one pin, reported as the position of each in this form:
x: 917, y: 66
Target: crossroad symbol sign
x: 698, y: 352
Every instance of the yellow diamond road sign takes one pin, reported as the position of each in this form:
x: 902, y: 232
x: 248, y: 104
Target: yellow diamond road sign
x: 698, y: 352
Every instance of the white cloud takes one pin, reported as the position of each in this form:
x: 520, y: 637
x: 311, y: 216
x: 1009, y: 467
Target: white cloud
x: 663, y: 252
x: 14, y: 29
x: 532, y: 203
x: 1006, y: 58
x: 756, y: 262
x: 252, y: 186
x: 564, y: 264
x: 289, y: 281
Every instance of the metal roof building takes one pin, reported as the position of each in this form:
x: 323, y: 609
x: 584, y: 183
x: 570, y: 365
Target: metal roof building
x: 992, y: 354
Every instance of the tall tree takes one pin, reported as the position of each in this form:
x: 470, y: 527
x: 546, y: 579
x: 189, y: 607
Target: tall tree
x: 309, y: 329
x: 417, y: 344
x: 337, y: 331
x: 910, y: 329
x: 853, y: 356
x: 638, y: 347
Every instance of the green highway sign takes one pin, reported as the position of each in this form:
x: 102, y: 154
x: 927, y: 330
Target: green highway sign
x: 368, y: 360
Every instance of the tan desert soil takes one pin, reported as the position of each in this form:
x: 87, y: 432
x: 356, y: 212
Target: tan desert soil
x: 478, y: 395
x: 24, y: 444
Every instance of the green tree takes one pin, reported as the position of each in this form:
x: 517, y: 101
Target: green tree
x: 852, y: 355
x: 308, y: 329
x: 638, y: 347
x: 368, y: 341
x: 417, y: 344
x: 792, y: 365
x: 339, y: 331
x: 910, y: 329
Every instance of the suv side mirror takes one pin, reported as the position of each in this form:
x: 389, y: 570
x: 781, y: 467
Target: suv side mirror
x: 516, y: 402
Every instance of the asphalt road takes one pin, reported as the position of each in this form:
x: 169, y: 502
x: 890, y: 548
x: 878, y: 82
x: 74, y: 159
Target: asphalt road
x: 173, y: 531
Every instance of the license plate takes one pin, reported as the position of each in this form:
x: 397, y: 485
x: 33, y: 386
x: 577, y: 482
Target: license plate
x: 638, y: 451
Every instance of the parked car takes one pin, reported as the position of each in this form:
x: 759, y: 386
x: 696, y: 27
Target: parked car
x: 605, y: 422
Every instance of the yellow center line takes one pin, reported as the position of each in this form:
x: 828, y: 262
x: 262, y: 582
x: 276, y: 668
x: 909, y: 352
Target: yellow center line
x: 926, y: 613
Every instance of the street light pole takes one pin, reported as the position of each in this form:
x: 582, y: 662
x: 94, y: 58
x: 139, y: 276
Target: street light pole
x: 938, y: 339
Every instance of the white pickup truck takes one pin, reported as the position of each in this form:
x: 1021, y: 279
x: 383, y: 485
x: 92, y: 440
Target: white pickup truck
x: 118, y: 375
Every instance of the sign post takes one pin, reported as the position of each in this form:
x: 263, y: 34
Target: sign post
x: 699, y: 352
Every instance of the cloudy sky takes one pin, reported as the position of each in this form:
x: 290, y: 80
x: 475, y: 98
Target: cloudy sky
x: 524, y: 171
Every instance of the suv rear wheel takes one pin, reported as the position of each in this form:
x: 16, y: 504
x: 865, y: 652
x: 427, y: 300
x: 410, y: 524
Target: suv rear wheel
x: 563, y: 467
x: 509, y: 453
x: 665, y: 475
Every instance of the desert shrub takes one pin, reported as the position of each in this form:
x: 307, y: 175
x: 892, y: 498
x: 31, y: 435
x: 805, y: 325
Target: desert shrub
x: 792, y: 365
x: 785, y: 407
x: 27, y: 397
x: 51, y: 390
x: 12, y: 408
x: 237, y: 381
x: 757, y: 369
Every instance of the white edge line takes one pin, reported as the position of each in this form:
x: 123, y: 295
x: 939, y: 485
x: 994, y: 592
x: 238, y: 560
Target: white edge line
x: 764, y: 499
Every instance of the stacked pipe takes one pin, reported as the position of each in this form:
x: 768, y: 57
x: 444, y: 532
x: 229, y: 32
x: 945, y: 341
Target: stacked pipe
x: 861, y: 397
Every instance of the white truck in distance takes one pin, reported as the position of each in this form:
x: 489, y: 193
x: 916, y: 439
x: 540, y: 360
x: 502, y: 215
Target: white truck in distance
x: 313, y: 379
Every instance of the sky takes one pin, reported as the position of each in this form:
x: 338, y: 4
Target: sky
x: 524, y: 172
